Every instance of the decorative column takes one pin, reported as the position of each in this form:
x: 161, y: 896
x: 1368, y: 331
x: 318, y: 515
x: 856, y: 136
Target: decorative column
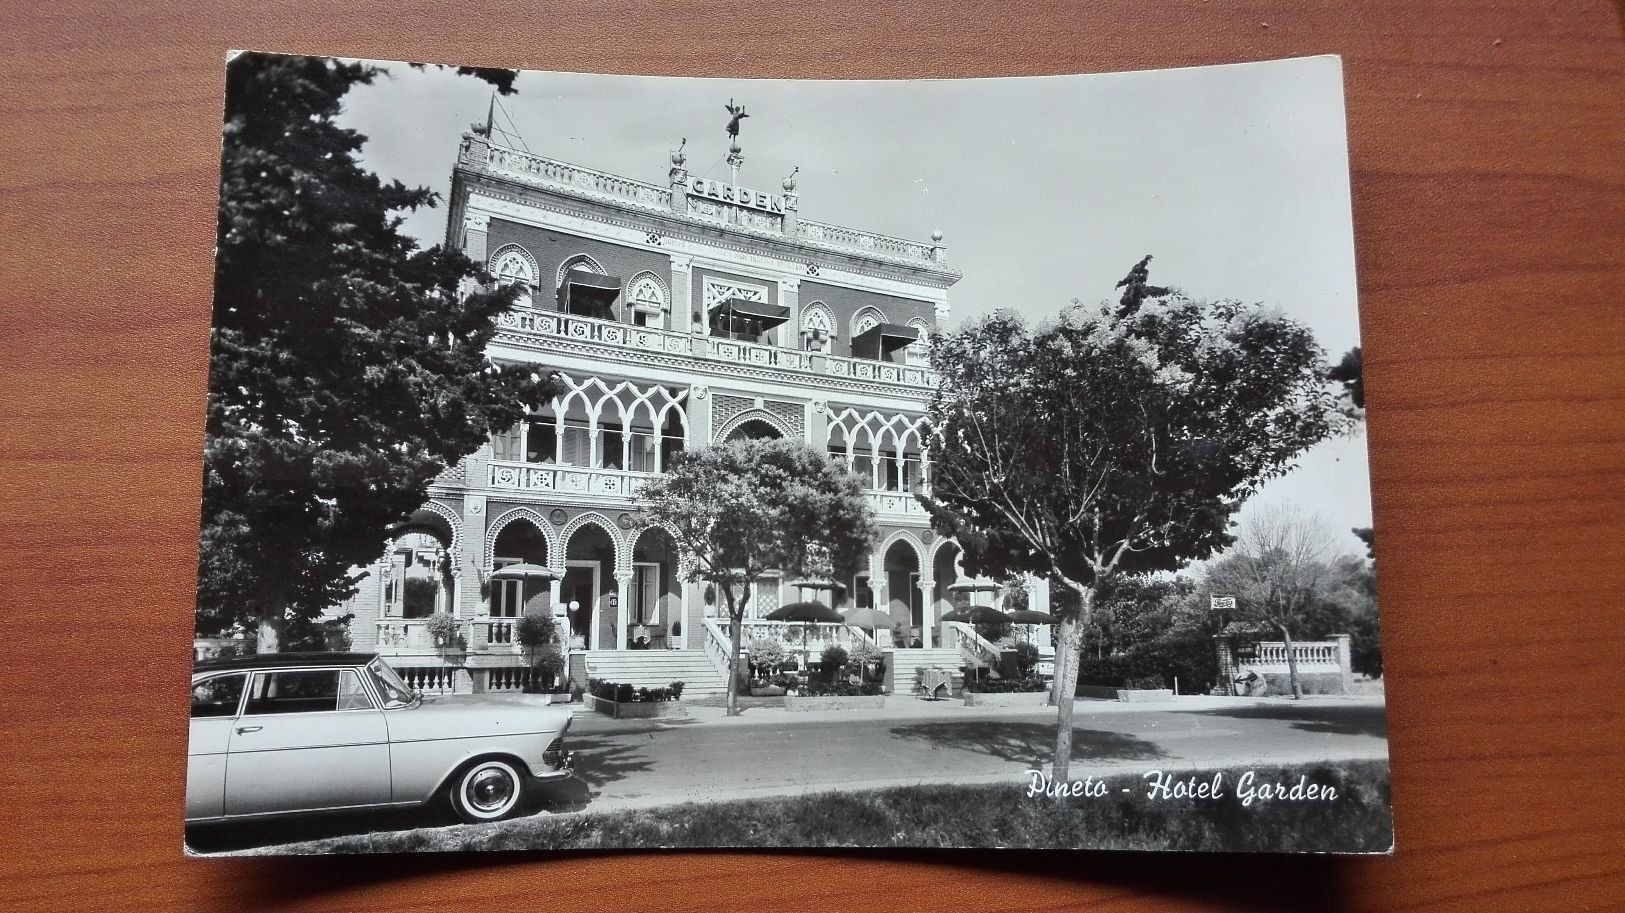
x: 468, y: 602
x: 817, y: 417
x: 697, y: 411
x: 682, y: 289
x: 790, y: 297
x: 683, y: 613
x: 476, y: 226
x: 928, y: 612
x: 623, y: 598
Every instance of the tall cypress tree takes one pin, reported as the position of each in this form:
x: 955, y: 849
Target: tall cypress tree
x: 347, y: 366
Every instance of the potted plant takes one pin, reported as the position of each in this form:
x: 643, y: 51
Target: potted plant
x: 870, y: 662
x: 442, y: 628
x: 548, y: 668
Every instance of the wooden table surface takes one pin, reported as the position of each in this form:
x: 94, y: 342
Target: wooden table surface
x: 1488, y: 145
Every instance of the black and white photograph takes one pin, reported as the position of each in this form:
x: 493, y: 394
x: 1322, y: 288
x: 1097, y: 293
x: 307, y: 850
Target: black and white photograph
x: 602, y: 462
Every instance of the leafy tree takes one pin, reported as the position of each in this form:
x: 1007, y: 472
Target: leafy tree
x: 1279, y: 574
x: 740, y: 509
x: 1114, y: 439
x: 347, y: 366
x: 1350, y: 372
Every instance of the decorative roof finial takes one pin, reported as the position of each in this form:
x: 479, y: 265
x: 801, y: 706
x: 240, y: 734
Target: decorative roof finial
x: 678, y: 158
x: 790, y: 180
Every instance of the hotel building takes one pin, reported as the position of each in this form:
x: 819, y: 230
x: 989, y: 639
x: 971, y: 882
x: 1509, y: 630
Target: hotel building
x: 676, y: 315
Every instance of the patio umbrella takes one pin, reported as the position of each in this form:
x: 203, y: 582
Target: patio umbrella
x: 805, y: 612
x: 1030, y: 617
x: 872, y: 619
x: 976, y: 615
x: 523, y: 572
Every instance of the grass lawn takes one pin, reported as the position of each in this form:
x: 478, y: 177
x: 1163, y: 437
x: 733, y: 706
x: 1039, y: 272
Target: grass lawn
x: 1357, y: 819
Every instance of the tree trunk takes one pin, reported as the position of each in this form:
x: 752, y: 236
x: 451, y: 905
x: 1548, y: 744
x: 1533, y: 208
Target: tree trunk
x: 1068, y: 656
x: 1291, y: 663
x: 273, y: 606
x: 736, y: 635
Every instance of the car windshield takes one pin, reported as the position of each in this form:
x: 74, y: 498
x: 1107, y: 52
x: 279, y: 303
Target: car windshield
x: 393, y: 689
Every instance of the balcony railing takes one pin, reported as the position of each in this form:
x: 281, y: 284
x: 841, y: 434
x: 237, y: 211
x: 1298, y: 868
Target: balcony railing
x: 866, y: 241
x: 608, y: 483
x: 895, y: 504
x: 576, y: 179
x: 730, y: 351
x: 1314, y: 655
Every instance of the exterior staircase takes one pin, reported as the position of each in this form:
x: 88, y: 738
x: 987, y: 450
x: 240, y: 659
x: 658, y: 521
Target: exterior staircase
x: 657, y: 669
x: 906, y: 664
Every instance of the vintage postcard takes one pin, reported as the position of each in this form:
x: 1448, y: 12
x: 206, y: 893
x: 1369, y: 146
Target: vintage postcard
x: 606, y: 461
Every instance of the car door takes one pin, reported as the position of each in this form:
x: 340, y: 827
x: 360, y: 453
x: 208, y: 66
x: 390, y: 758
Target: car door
x: 307, y: 739
x: 215, y: 702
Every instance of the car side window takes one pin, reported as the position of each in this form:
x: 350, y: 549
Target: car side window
x: 218, y: 696
x: 352, y: 696
x: 306, y: 691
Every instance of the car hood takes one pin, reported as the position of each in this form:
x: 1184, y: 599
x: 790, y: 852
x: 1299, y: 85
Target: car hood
x: 469, y: 715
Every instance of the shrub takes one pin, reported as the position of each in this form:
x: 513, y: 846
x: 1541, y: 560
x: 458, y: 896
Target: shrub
x: 864, y: 653
x: 550, y: 663
x: 1006, y: 685
x: 993, y: 631
x: 841, y: 688
x: 441, y: 626
x: 1145, y: 682
x: 624, y: 693
x: 764, y: 653
x: 834, y: 658
x: 533, y: 631
x: 1026, y: 658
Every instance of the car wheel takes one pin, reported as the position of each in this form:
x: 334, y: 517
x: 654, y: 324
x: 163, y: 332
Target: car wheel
x: 487, y: 791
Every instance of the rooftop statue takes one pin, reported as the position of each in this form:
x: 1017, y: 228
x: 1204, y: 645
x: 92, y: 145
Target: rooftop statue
x: 738, y: 112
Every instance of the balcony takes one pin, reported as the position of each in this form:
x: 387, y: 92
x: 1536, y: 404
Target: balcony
x: 895, y: 505
x: 530, y: 324
x: 566, y: 480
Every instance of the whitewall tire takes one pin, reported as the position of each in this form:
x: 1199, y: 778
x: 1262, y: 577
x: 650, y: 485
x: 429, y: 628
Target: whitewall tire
x: 489, y: 790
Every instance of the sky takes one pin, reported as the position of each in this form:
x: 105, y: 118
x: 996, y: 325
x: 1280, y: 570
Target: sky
x: 1046, y: 189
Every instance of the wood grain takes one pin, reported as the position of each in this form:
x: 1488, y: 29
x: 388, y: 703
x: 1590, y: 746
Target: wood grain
x: 1488, y: 146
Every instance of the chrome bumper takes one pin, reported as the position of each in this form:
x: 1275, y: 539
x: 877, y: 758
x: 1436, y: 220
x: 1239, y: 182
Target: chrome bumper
x: 564, y: 771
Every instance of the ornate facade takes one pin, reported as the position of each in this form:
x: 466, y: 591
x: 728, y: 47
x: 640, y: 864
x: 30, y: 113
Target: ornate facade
x: 676, y: 315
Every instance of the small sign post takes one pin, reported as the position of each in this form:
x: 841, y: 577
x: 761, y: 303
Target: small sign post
x: 1221, y: 602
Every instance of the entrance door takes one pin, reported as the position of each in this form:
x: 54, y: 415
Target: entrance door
x: 580, y: 585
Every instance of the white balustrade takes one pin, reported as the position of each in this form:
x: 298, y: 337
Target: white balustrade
x: 732, y: 351
x: 1311, y: 655
x: 971, y: 645
x: 865, y: 241
x: 607, y: 483
x: 895, y: 503
x: 575, y: 179
x: 404, y: 635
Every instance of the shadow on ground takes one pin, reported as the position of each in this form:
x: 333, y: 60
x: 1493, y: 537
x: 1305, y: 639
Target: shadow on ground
x: 1030, y: 743
x: 1325, y: 719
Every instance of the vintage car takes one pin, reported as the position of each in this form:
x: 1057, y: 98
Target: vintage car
x: 306, y: 732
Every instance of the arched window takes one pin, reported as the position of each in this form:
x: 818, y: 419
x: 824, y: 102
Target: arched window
x: 867, y: 319
x: 511, y: 265
x: 646, y: 296
x: 579, y: 261
x: 817, y: 327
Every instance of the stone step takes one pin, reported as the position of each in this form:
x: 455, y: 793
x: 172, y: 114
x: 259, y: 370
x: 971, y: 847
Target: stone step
x: 658, y: 668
